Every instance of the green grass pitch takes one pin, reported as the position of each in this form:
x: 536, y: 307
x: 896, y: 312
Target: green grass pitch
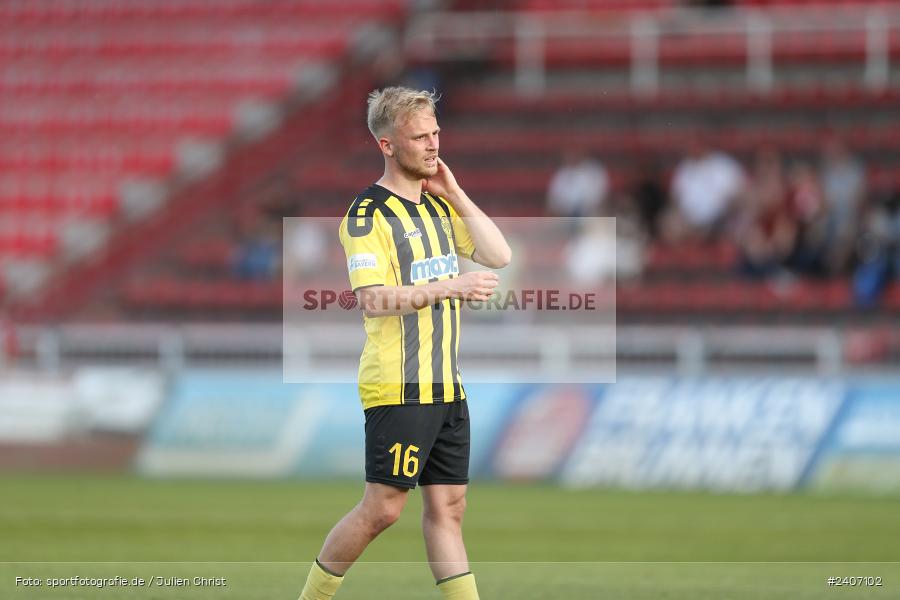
x: 525, y: 542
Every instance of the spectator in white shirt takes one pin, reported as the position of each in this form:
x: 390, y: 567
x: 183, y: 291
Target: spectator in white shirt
x: 579, y: 187
x: 704, y: 187
x: 843, y: 180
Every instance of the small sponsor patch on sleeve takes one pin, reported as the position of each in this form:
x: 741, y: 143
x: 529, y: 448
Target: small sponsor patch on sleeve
x: 362, y: 261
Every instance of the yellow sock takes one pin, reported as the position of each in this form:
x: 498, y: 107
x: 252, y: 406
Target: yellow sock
x: 320, y: 584
x: 459, y: 587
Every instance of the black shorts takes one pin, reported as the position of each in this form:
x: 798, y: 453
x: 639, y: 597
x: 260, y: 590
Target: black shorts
x: 422, y: 444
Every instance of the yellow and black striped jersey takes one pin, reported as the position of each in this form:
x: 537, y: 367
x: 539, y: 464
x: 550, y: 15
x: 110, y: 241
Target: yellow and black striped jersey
x: 388, y: 240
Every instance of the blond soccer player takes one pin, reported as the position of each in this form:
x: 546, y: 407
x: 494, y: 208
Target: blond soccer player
x: 403, y: 236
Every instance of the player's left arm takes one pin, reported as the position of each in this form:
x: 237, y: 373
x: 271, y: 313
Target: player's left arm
x: 491, y: 248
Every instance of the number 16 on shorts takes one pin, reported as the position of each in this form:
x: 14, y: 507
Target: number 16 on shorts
x: 406, y: 459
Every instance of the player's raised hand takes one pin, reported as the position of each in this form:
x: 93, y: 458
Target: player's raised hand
x: 477, y: 285
x: 442, y: 183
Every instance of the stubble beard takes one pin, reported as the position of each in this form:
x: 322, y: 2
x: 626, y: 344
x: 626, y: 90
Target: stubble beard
x: 414, y: 171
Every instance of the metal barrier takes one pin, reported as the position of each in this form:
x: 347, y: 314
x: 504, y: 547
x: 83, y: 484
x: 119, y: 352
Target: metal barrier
x: 554, y: 350
x: 454, y: 36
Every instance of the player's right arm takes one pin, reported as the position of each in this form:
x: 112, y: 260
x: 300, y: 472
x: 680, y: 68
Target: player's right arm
x: 387, y: 301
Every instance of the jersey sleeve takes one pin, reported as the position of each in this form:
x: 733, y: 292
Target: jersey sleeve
x: 367, y: 249
x: 465, y: 247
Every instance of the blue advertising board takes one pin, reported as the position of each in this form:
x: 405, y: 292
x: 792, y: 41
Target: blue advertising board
x: 736, y: 434
x: 247, y: 423
x: 862, y: 451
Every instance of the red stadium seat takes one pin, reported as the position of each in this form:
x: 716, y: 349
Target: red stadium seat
x: 108, y: 89
x: 112, y: 10
x: 209, y: 254
x: 102, y: 92
x: 37, y: 240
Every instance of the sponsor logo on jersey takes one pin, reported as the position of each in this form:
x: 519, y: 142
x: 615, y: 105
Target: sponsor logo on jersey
x: 413, y: 234
x: 361, y: 261
x: 429, y: 268
x: 445, y: 225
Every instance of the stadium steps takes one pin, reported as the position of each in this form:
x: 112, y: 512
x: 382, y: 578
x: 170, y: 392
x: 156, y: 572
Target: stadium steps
x: 96, y: 283
x: 813, y: 302
x: 722, y: 101
x: 692, y: 48
x: 683, y: 281
x: 614, y: 8
x: 488, y: 150
x: 487, y: 146
x: 123, y: 94
x: 112, y: 105
x: 44, y: 11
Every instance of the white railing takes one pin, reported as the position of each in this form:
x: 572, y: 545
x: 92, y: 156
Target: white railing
x: 453, y: 36
x: 335, y: 348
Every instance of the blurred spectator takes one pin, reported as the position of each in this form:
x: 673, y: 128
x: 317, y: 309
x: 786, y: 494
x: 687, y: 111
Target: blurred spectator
x: 808, y: 205
x: 878, y: 250
x: 305, y: 247
x: 591, y: 255
x: 767, y: 232
x: 704, y: 187
x: 631, y: 242
x: 605, y: 250
x: 579, y: 187
x: 258, y: 256
x: 844, y: 185
x: 649, y: 197
x: 262, y: 232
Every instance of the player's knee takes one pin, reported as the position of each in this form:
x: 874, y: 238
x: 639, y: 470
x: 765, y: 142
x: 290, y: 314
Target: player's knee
x: 457, y: 508
x: 383, y: 516
x: 451, y: 510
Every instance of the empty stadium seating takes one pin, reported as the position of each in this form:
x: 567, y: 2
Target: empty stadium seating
x: 502, y: 145
x: 94, y: 94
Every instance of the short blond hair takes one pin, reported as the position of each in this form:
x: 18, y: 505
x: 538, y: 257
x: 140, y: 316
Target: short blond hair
x: 391, y: 103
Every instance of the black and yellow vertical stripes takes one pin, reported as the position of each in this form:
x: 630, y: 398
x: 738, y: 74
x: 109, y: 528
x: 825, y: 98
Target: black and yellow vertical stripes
x: 433, y: 234
x: 416, y: 352
x: 410, y: 322
x: 449, y: 317
x: 430, y: 334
